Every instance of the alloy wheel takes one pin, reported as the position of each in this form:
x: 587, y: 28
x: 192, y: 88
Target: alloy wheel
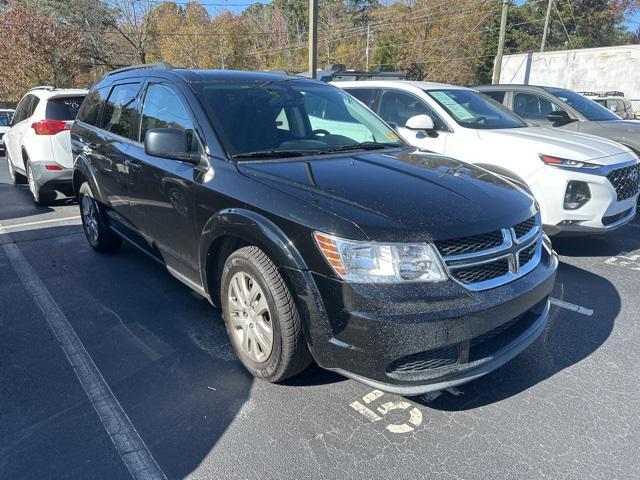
x: 32, y: 183
x: 249, y: 317
x: 12, y: 173
x: 89, y: 217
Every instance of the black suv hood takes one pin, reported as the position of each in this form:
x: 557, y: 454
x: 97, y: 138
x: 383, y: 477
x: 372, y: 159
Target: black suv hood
x: 403, y: 195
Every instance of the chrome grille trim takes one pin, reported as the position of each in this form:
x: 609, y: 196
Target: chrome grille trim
x: 511, y: 249
x: 625, y: 181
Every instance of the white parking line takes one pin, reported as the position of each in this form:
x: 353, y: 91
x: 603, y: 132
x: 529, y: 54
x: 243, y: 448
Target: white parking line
x: 40, y: 222
x: 132, y: 449
x: 570, y: 306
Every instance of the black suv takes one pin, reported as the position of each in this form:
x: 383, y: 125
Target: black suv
x: 318, y: 231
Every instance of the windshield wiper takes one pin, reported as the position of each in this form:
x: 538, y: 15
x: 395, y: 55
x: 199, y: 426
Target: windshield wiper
x: 360, y: 146
x: 270, y: 154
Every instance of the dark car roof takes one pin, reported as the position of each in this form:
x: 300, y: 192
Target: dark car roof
x: 197, y: 76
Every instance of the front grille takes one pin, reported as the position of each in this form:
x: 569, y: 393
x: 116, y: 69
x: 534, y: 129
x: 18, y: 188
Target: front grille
x: 525, y: 227
x: 489, y: 260
x: 482, y: 272
x: 526, y: 255
x: 478, y: 348
x: 487, y: 336
x: 472, y: 244
x: 488, y: 344
x: 626, y: 181
x: 611, y: 219
x: 422, y: 361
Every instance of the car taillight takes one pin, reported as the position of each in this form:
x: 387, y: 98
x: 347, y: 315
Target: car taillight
x: 49, y: 127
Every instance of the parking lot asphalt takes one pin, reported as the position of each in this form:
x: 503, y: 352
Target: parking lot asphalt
x: 566, y: 408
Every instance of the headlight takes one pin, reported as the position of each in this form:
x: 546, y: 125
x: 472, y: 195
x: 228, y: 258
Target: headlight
x: 563, y: 162
x: 366, y: 262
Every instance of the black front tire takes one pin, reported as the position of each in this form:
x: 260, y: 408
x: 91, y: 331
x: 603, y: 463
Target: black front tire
x: 289, y: 353
x: 99, y: 236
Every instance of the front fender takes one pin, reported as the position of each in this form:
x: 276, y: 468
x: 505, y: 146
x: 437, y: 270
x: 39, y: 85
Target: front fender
x: 254, y: 229
x: 82, y: 169
x: 258, y: 230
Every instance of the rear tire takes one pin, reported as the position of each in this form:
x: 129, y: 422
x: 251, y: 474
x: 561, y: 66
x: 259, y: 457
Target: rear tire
x: 98, y: 234
x: 16, y: 178
x: 39, y: 197
x: 261, y: 317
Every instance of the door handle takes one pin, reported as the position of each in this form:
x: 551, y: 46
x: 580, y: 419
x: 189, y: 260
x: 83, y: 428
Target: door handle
x: 133, y: 165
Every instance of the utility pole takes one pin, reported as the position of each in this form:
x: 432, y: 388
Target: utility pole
x: 313, y: 38
x: 367, y: 50
x: 546, y: 25
x: 497, y: 66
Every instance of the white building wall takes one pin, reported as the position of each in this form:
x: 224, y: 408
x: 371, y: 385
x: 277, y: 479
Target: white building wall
x: 589, y: 69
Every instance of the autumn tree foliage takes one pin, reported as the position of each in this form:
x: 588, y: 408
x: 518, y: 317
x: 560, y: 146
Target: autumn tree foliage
x: 36, y: 50
x: 74, y: 42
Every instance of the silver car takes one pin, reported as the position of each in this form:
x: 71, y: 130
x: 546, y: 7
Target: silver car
x: 562, y: 108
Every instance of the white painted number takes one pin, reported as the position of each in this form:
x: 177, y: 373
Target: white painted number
x: 415, y: 415
x: 625, y: 260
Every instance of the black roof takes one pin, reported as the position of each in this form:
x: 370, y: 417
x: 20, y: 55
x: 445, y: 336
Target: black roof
x: 196, y: 76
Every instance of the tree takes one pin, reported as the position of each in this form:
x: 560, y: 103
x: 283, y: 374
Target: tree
x: 91, y: 21
x: 132, y: 21
x: 36, y: 50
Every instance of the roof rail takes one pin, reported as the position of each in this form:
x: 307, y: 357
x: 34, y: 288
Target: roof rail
x: 614, y: 93
x: 43, y: 87
x: 143, y: 66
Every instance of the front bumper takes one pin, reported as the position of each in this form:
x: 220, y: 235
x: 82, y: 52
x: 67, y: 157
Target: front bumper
x: 601, y: 214
x: 415, y: 338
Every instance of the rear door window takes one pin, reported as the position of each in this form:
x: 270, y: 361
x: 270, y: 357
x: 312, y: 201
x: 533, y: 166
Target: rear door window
x: 90, y: 109
x: 63, y: 108
x: 32, y: 106
x: 497, y: 95
x: 365, y: 95
x: 120, y: 115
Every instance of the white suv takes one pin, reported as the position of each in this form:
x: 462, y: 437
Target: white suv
x: 38, y: 144
x: 583, y: 183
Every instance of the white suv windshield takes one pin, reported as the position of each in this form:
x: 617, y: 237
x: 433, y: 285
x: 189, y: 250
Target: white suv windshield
x: 473, y: 110
x: 290, y: 117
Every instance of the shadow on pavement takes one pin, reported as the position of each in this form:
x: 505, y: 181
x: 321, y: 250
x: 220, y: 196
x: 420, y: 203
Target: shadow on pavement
x: 162, y: 349
x: 624, y: 239
x: 18, y: 202
x: 568, y: 338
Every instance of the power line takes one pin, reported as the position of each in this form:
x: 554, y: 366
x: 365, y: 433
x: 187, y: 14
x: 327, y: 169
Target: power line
x: 563, y: 26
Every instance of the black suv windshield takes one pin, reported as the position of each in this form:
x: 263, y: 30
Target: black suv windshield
x: 591, y: 110
x: 471, y: 109
x: 290, y: 117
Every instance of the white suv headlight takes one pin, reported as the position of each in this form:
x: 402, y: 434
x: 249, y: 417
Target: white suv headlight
x: 367, y: 262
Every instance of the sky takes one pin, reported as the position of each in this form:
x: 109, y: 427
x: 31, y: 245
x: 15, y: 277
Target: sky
x: 215, y: 6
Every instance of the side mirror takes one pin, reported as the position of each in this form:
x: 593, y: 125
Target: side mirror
x: 613, y: 108
x: 172, y: 143
x: 420, y: 122
x: 559, y: 117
